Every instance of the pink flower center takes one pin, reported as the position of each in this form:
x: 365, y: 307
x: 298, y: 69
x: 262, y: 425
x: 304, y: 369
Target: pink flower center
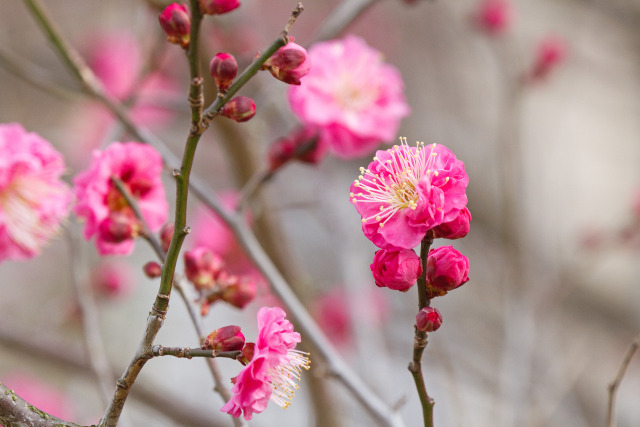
x: 353, y: 95
x: 395, y: 186
x: 285, y: 375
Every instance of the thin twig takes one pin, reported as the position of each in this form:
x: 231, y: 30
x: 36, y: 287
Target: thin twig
x: 93, y: 344
x: 613, y: 387
x: 188, y: 353
x: 420, y: 339
x: 341, y: 17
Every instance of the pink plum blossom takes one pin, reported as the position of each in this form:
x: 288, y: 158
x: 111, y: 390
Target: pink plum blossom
x: 112, y: 279
x: 99, y: 201
x: 406, y: 191
x: 33, y: 198
x: 272, y: 370
x: 447, y: 269
x: 396, y: 269
x: 353, y: 97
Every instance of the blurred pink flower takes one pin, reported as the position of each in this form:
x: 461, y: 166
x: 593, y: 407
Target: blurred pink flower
x: 351, y: 95
x: 271, y: 372
x: 139, y: 167
x: 43, y: 396
x: 202, y: 267
x: 396, y: 269
x: 112, y: 279
x: 33, y: 198
x: 550, y: 52
x: 494, y: 16
x: 406, y: 191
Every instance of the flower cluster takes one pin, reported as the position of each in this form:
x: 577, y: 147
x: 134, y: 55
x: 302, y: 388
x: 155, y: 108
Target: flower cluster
x: 106, y: 211
x: 405, y: 195
x: 350, y: 96
x: 33, y: 198
x: 272, y: 370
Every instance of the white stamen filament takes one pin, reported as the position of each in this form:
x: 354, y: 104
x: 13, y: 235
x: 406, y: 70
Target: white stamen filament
x: 284, y: 377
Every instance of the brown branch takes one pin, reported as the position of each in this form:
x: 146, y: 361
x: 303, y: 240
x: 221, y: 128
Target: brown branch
x: 613, y: 387
x: 17, y: 412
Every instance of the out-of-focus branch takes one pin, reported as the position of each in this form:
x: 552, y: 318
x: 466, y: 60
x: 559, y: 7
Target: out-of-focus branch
x: 93, y: 344
x: 341, y: 17
x: 613, y: 387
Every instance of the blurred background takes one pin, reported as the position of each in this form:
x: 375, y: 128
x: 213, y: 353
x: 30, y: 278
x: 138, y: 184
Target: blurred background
x: 541, y: 100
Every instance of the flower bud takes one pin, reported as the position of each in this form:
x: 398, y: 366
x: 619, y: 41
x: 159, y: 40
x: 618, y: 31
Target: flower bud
x: 223, y: 69
x: 303, y: 144
x: 227, y: 338
x: 237, y: 291
x: 289, y: 63
x: 202, y: 267
x: 428, y: 319
x: 396, y: 269
x: 118, y: 227
x: 112, y: 279
x: 240, y: 109
x: 166, y: 234
x: 176, y: 23
x: 447, y: 269
x: 494, y: 16
x: 551, y: 52
x: 152, y: 269
x: 455, y: 229
x: 218, y: 7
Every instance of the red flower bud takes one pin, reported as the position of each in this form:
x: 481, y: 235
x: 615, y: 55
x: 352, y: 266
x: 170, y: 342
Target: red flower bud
x: 247, y: 353
x: 303, y: 144
x: 447, y: 269
x: 176, y: 23
x: 152, y: 269
x: 240, y: 109
x: 289, y: 63
x: 551, y: 52
x: 218, y: 7
x: 428, y: 319
x: 396, y: 269
x: 227, y: 338
x: 166, y: 234
x: 237, y: 291
x: 223, y: 69
x: 202, y: 267
x: 118, y: 227
x: 455, y: 229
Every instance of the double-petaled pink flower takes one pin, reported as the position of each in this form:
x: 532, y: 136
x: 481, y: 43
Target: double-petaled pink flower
x: 106, y: 211
x: 406, y: 191
x: 273, y: 370
x: 351, y: 96
x: 33, y: 198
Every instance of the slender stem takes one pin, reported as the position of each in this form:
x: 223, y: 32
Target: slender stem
x: 341, y: 17
x: 188, y: 353
x: 420, y: 339
x: 613, y: 387
x: 146, y: 233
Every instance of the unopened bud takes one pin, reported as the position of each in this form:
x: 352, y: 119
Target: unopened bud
x: 447, y: 269
x: 223, y: 69
x: 176, y: 23
x: 166, y: 234
x: 303, y: 144
x: 118, y: 227
x: 240, y: 109
x: 152, y: 269
x: 218, y: 7
x: 289, y: 63
x: 455, y: 229
x: 428, y: 319
x: 202, y: 267
x: 227, y: 338
x: 112, y: 279
x: 237, y: 291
